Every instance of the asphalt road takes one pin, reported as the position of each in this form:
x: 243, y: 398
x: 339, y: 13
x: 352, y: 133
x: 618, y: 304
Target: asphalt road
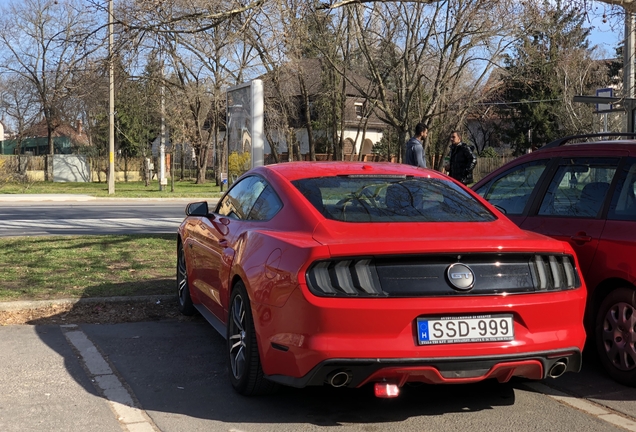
x: 174, y: 376
x: 96, y: 216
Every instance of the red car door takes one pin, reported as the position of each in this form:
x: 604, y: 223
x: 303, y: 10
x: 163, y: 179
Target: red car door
x: 615, y: 256
x: 512, y: 191
x: 219, y: 236
x: 583, y: 235
x: 573, y: 204
x: 214, y: 260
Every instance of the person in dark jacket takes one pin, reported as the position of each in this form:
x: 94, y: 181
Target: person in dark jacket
x: 462, y: 160
x: 414, y: 154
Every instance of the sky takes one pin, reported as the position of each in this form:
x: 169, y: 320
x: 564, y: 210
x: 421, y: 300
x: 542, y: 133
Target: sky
x: 607, y: 35
x: 607, y: 22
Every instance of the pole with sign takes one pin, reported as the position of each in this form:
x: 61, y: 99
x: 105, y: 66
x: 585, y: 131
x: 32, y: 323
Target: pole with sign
x: 603, y: 108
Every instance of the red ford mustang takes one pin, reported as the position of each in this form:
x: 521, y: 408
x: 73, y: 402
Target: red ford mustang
x: 350, y: 273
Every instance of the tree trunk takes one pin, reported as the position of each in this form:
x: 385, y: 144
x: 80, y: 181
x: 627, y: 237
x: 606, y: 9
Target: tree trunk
x: 202, y: 163
x: 308, y: 126
x: 48, y: 159
x: 183, y: 158
x: 273, y: 146
x: 402, y: 142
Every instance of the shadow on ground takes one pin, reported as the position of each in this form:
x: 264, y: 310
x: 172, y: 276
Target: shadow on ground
x: 178, y: 366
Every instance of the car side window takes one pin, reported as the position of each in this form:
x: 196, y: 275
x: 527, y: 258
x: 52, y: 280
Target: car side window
x: 579, y: 187
x: 266, y: 206
x: 240, y: 199
x: 512, y: 190
x: 623, y: 206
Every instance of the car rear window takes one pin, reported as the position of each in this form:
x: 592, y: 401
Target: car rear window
x: 392, y: 199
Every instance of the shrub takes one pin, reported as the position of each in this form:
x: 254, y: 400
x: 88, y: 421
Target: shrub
x: 489, y: 152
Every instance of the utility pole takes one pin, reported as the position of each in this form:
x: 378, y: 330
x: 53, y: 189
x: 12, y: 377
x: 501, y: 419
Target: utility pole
x: 628, y: 68
x: 163, y: 182
x: 111, y: 103
x: 628, y: 60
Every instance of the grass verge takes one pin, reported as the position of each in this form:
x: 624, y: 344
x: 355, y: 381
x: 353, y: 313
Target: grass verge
x: 43, y: 268
x: 182, y: 189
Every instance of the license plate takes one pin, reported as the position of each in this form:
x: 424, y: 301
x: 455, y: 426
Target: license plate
x: 480, y: 328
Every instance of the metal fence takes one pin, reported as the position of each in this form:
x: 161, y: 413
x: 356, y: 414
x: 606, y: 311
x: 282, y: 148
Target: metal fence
x: 487, y: 165
x: 21, y: 163
x: 99, y: 165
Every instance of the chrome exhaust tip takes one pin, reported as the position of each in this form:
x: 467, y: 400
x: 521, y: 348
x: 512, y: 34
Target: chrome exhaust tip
x: 558, y: 368
x: 339, y: 378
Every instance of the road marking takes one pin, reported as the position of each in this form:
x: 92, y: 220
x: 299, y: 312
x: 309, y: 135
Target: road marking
x: 584, y: 405
x: 59, y: 224
x: 131, y: 417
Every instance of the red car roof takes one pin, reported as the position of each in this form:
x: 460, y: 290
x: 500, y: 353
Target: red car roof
x: 298, y: 170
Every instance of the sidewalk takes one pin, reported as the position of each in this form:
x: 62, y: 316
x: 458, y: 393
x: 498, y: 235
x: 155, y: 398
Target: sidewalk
x: 11, y: 198
x: 44, y: 197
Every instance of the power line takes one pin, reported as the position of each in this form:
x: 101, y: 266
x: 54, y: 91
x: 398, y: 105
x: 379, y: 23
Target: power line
x: 520, y: 102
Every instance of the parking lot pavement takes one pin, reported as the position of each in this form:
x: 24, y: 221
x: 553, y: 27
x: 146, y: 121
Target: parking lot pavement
x: 594, y: 385
x: 43, y: 386
x: 172, y: 376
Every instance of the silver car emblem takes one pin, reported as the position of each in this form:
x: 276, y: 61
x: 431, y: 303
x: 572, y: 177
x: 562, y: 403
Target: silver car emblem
x: 460, y: 276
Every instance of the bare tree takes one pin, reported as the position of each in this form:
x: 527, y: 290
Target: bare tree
x: 19, y: 106
x: 426, y: 59
x: 202, y: 65
x: 46, y: 43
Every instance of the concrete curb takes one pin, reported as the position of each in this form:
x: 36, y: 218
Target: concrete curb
x: 37, y: 304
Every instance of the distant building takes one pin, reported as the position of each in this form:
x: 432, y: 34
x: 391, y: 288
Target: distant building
x: 356, y: 110
x: 35, y: 140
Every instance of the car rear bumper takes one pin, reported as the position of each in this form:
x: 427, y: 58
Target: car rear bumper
x: 309, y: 338
x: 357, y: 372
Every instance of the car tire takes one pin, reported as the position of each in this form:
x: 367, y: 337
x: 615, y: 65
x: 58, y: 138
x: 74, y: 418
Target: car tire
x: 616, y: 334
x: 246, y: 373
x: 186, y: 307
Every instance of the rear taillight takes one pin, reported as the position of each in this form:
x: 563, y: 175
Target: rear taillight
x: 344, y: 278
x: 554, y: 273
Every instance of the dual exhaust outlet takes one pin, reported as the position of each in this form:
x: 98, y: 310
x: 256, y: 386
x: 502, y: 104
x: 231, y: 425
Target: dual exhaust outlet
x: 558, y: 368
x: 339, y: 378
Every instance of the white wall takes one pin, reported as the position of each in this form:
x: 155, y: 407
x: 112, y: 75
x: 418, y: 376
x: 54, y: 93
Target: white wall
x: 302, y: 137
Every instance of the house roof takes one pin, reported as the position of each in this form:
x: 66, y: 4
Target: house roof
x: 312, y: 69
x: 39, y: 130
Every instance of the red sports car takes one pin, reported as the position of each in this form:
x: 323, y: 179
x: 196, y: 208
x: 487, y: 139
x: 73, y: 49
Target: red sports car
x: 352, y: 273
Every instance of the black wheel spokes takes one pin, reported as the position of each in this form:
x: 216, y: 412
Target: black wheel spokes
x: 182, y: 276
x: 237, y: 338
x: 619, y: 335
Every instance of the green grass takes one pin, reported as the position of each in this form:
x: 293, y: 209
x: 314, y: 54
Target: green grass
x: 39, y: 268
x: 182, y: 189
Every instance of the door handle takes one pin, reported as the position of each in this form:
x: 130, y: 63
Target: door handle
x: 223, y: 243
x: 581, y: 238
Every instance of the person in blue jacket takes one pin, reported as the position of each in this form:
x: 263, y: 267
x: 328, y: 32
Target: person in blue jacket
x: 414, y: 154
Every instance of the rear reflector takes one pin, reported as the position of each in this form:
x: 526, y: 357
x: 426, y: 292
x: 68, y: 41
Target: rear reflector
x: 386, y: 390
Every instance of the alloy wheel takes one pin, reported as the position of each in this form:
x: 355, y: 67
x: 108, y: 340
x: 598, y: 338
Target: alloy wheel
x: 238, y: 337
x: 618, y: 336
x: 182, y: 277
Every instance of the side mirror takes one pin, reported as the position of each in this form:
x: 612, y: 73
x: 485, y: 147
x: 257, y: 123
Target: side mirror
x: 197, y: 209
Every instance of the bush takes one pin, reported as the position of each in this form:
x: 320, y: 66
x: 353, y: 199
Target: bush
x: 489, y: 152
x: 10, y: 173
